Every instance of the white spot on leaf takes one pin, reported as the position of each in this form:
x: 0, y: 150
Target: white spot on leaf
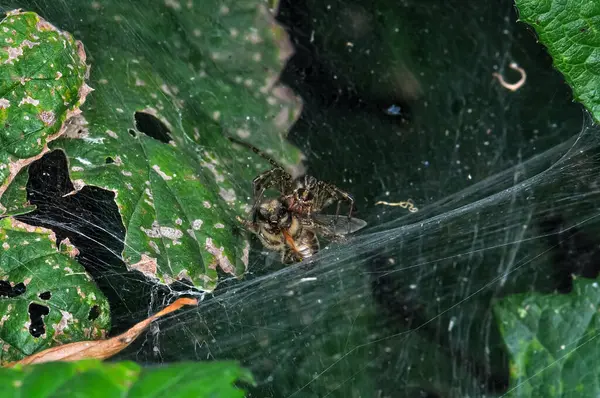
x: 221, y: 259
x: 160, y: 173
x: 147, y: 266
x: 246, y: 253
x: 29, y: 100
x: 197, y: 224
x: 227, y: 194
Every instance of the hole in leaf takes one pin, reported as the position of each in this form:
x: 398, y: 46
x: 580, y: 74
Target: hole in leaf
x: 152, y: 126
x: 94, y: 313
x: 45, y: 295
x: 91, y: 220
x: 109, y: 160
x: 37, y: 312
x: 7, y: 290
x: 132, y: 133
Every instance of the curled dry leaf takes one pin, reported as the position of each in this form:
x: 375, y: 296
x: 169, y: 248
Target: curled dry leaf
x: 100, y: 349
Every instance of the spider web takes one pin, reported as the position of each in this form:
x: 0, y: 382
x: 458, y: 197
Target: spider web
x: 505, y: 182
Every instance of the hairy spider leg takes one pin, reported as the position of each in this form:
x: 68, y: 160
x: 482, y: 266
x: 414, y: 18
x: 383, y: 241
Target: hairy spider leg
x: 247, y: 224
x: 257, y: 151
x: 268, y: 179
x: 334, y: 193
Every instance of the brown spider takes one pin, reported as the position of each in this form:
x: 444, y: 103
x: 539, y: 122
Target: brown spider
x: 303, y: 196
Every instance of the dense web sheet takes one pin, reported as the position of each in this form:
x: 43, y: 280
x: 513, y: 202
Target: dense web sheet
x: 408, y: 302
x: 506, y: 183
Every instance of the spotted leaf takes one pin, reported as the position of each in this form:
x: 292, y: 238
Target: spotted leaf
x: 46, y: 297
x: 42, y: 84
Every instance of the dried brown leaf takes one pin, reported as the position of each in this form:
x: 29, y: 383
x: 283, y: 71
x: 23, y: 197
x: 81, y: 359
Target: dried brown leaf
x: 100, y: 349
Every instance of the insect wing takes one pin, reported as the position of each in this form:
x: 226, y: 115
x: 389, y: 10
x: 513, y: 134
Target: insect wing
x: 339, y: 225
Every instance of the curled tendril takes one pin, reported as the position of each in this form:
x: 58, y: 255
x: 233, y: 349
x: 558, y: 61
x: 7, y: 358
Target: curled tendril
x: 405, y: 205
x: 512, y: 86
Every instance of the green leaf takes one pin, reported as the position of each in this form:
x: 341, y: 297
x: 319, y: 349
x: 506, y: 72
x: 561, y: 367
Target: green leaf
x: 568, y: 28
x: 14, y: 200
x: 38, y: 278
x: 552, y: 340
x: 93, y: 378
x: 41, y: 85
x: 154, y: 130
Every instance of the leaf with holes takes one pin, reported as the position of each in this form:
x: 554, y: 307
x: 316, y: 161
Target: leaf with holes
x: 552, y: 341
x: 41, y: 85
x: 568, y: 29
x: 100, y: 349
x: 154, y: 130
x: 88, y: 378
x: 46, y: 297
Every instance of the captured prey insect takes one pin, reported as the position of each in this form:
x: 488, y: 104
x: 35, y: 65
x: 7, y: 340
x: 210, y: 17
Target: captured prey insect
x: 292, y: 223
x: 294, y: 236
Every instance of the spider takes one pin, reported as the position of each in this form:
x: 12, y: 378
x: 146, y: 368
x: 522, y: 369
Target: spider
x: 303, y: 196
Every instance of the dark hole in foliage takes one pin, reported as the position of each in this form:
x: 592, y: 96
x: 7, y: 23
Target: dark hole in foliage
x: 37, y: 312
x: 90, y: 219
x: 109, y: 160
x: 132, y: 133
x: 45, y: 295
x: 6, y: 290
x: 94, y: 313
x: 151, y: 126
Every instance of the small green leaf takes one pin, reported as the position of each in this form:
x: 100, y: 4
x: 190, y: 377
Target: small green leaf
x: 569, y: 29
x: 124, y: 379
x: 14, y: 200
x: 41, y: 85
x: 46, y: 297
x: 552, y: 340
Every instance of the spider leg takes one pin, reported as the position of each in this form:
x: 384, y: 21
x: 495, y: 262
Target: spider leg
x: 328, y: 194
x: 247, y: 224
x: 276, y: 177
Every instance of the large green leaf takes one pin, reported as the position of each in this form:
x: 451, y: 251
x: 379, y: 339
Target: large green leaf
x: 46, y: 297
x: 154, y: 130
x: 568, y: 28
x: 553, y: 342
x: 41, y: 85
x: 93, y: 378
